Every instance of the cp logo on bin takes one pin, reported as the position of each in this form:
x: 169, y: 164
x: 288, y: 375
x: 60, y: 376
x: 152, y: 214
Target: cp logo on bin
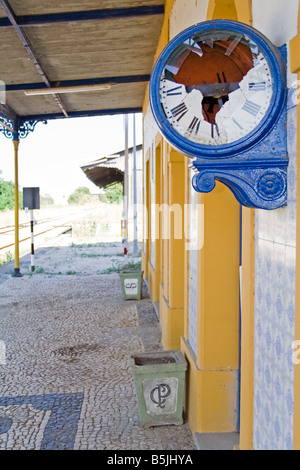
x: 160, y: 394
x: 131, y: 286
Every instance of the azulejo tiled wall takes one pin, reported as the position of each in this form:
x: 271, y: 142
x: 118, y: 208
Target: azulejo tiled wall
x: 275, y: 251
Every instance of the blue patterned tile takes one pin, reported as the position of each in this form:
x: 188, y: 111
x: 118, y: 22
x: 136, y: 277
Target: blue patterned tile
x: 275, y: 238
x: 60, y: 430
x: 278, y: 348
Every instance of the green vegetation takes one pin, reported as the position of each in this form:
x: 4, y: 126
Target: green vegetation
x: 40, y: 271
x: 46, y: 200
x: 131, y: 266
x: 80, y: 196
x: 7, y: 195
x: 114, y: 192
x: 7, y: 258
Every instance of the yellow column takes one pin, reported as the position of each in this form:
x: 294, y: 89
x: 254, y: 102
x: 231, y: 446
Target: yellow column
x: 17, y: 252
x: 166, y: 239
x: 212, y: 400
x: 186, y: 246
x: 154, y: 264
x: 172, y: 302
x: 295, y: 68
x: 247, y: 331
x: 221, y: 9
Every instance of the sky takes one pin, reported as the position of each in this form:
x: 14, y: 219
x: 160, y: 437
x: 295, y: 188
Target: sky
x: 50, y: 157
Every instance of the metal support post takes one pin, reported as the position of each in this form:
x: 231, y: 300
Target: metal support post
x: 32, y: 240
x: 135, y: 238
x: 125, y: 201
x: 17, y: 251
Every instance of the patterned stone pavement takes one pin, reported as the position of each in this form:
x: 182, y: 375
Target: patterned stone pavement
x: 65, y: 382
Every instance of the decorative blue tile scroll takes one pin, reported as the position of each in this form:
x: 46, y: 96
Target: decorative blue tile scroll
x: 61, y: 428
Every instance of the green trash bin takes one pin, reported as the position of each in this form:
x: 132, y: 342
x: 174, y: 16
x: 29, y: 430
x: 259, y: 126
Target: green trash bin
x: 159, y: 379
x: 131, y: 284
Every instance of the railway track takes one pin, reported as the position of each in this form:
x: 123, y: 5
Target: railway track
x: 55, y: 226
x: 11, y: 228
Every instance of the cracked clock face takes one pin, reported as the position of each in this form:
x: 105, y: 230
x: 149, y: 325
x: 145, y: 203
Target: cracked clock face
x: 216, y: 87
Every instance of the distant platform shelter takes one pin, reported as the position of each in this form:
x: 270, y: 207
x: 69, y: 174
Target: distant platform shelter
x: 110, y: 169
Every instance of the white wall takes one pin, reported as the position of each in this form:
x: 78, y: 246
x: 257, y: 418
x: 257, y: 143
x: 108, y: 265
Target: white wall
x: 275, y: 251
x: 275, y: 247
x: 277, y: 19
x: 186, y: 13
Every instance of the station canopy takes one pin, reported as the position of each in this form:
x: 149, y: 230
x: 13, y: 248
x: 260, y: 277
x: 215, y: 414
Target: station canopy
x: 71, y: 58
x: 109, y: 169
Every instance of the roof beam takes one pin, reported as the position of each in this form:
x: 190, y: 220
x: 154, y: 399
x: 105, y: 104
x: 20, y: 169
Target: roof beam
x: 27, y: 45
x: 83, y: 82
x: 74, y: 114
x: 8, y: 113
x: 83, y: 16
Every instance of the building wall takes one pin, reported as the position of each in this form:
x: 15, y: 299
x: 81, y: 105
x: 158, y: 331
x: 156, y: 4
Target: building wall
x: 275, y: 264
x: 206, y: 324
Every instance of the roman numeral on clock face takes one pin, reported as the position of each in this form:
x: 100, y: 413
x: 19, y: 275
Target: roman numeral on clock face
x: 179, y: 111
x: 258, y: 86
x: 194, y: 125
x: 251, y: 108
x: 174, y: 91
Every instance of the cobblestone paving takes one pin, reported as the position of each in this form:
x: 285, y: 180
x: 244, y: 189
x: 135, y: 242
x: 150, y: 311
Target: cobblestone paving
x: 66, y: 382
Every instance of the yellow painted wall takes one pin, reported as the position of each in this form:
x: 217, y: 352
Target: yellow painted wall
x: 172, y: 222
x: 211, y: 402
x: 154, y: 268
x: 218, y: 291
x: 247, y: 331
x: 212, y: 385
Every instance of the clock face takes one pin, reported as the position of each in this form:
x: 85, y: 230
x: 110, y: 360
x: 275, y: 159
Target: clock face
x: 216, y: 87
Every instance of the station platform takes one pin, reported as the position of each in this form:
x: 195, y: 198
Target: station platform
x: 68, y: 333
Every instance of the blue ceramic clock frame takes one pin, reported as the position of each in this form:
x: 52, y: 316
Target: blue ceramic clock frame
x: 253, y: 163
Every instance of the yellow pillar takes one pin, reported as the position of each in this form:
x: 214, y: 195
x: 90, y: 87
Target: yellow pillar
x: 221, y: 9
x: 212, y: 401
x: 17, y: 251
x: 172, y: 301
x: 154, y: 264
x: 295, y: 68
x: 247, y: 331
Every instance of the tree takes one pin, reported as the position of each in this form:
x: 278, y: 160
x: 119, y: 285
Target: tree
x: 7, y: 195
x: 80, y: 196
x: 46, y: 200
x: 114, y: 192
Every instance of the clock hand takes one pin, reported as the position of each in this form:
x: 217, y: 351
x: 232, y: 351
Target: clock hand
x: 233, y: 45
